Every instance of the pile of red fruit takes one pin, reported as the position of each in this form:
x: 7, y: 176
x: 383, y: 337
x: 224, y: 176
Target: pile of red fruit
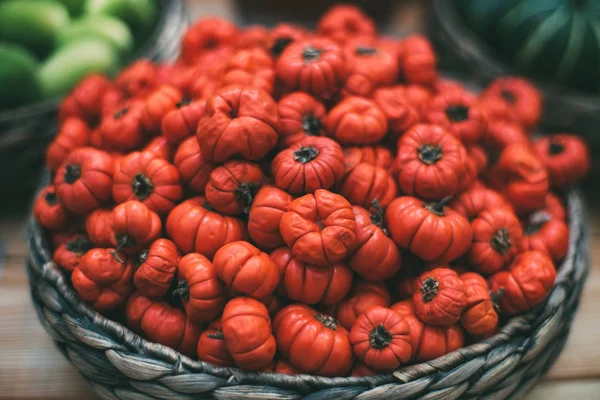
x: 264, y: 201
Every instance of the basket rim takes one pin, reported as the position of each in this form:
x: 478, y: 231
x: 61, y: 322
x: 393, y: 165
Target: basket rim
x: 167, y: 10
x: 516, y: 326
x: 470, y: 46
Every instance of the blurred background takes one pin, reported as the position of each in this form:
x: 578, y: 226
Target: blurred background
x: 47, y: 46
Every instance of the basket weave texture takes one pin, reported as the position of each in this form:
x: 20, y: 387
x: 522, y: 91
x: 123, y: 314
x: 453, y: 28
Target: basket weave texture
x: 121, y: 365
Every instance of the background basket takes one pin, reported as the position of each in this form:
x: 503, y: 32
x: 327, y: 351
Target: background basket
x: 121, y: 365
x: 26, y: 131
x: 464, y: 54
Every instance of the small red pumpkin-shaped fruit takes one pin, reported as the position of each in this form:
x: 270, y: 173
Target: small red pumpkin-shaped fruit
x: 208, y: 74
x: 431, y: 231
x: 250, y: 68
x: 320, y: 229
x: 417, y: 60
x: 112, y: 98
x: 134, y: 226
x: 162, y: 323
x: 155, y: 268
x: 246, y: 270
x: 194, y: 169
x: 161, y: 148
x: 84, y: 181
x: 526, y: 284
x: 281, y: 36
x: 343, y: 22
x: 246, y: 326
x: 233, y: 185
x: 522, y: 98
x: 375, y: 256
x: 122, y: 130
x: 381, y: 339
x: 312, y: 342
x: 378, y: 156
x: 439, y: 297
x: 554, y: 207
x: 194, y: 226
x: 138, y: 80
x: 211, y: 346
x: 496, y: 238
x: 498, y: 110
x: 182, y: 122
x: 68, y: 255
x: 399, y: 112
x: 429, y: 342
x: 547, y: 234
x: 98, y: 227
x: 356, y: 121
x: 479, y: 157
x: 149, y: 179
x: 207, y: 36
x: 269, y: 205
x: 406, y: 287
x: 158, y: 104
x: 479, y: 316
x: 369, y: 65
x: 499, y: 134
x: 363, y: 296
x: 311, y: 164
x: 73, y: 134
x: 273, y: 303
x: 101, y: 280
x: 457, y: 111
x: 202, y: 293
x: 239, y: 122
x: 300, y: 116
x: 311, y: 284
x: 284, y: 367
x: 431, y: 163
x: 417, y: 96
x: 566, y: 158
x: 253, y: 36
x: 360, y: 370
x: 315, y: 66
x: 178, y: 75
x: 521, y: 177
x: 367, y: 183
x: 48, y: 211
x: 442, y: 85
x: 476, y: 200
x: 85, y: 100
x: 57, y: 238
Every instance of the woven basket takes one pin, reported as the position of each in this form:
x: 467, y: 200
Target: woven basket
x: 26, y: 131
x: 121, y: 365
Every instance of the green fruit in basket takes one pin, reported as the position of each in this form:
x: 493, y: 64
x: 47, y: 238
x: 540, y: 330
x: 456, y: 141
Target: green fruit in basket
x: 140, y: 15
x: 18, y: 80
x: 98, y: 26
x: 75, y: 7
x: 32, y: 23
x: 70, y: 64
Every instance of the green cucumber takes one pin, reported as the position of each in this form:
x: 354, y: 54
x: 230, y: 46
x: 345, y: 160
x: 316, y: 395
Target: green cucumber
x: 32, y: 23
x: 140, y: 15
x: 18, y: 80
x: 75, y: 7
x: 98, y: 26
x: 70, y: 64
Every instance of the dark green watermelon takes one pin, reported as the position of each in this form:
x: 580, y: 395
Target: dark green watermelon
x: 557, y: 40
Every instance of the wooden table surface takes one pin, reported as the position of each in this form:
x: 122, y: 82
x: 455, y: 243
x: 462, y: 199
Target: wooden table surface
x: 32, y: 368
